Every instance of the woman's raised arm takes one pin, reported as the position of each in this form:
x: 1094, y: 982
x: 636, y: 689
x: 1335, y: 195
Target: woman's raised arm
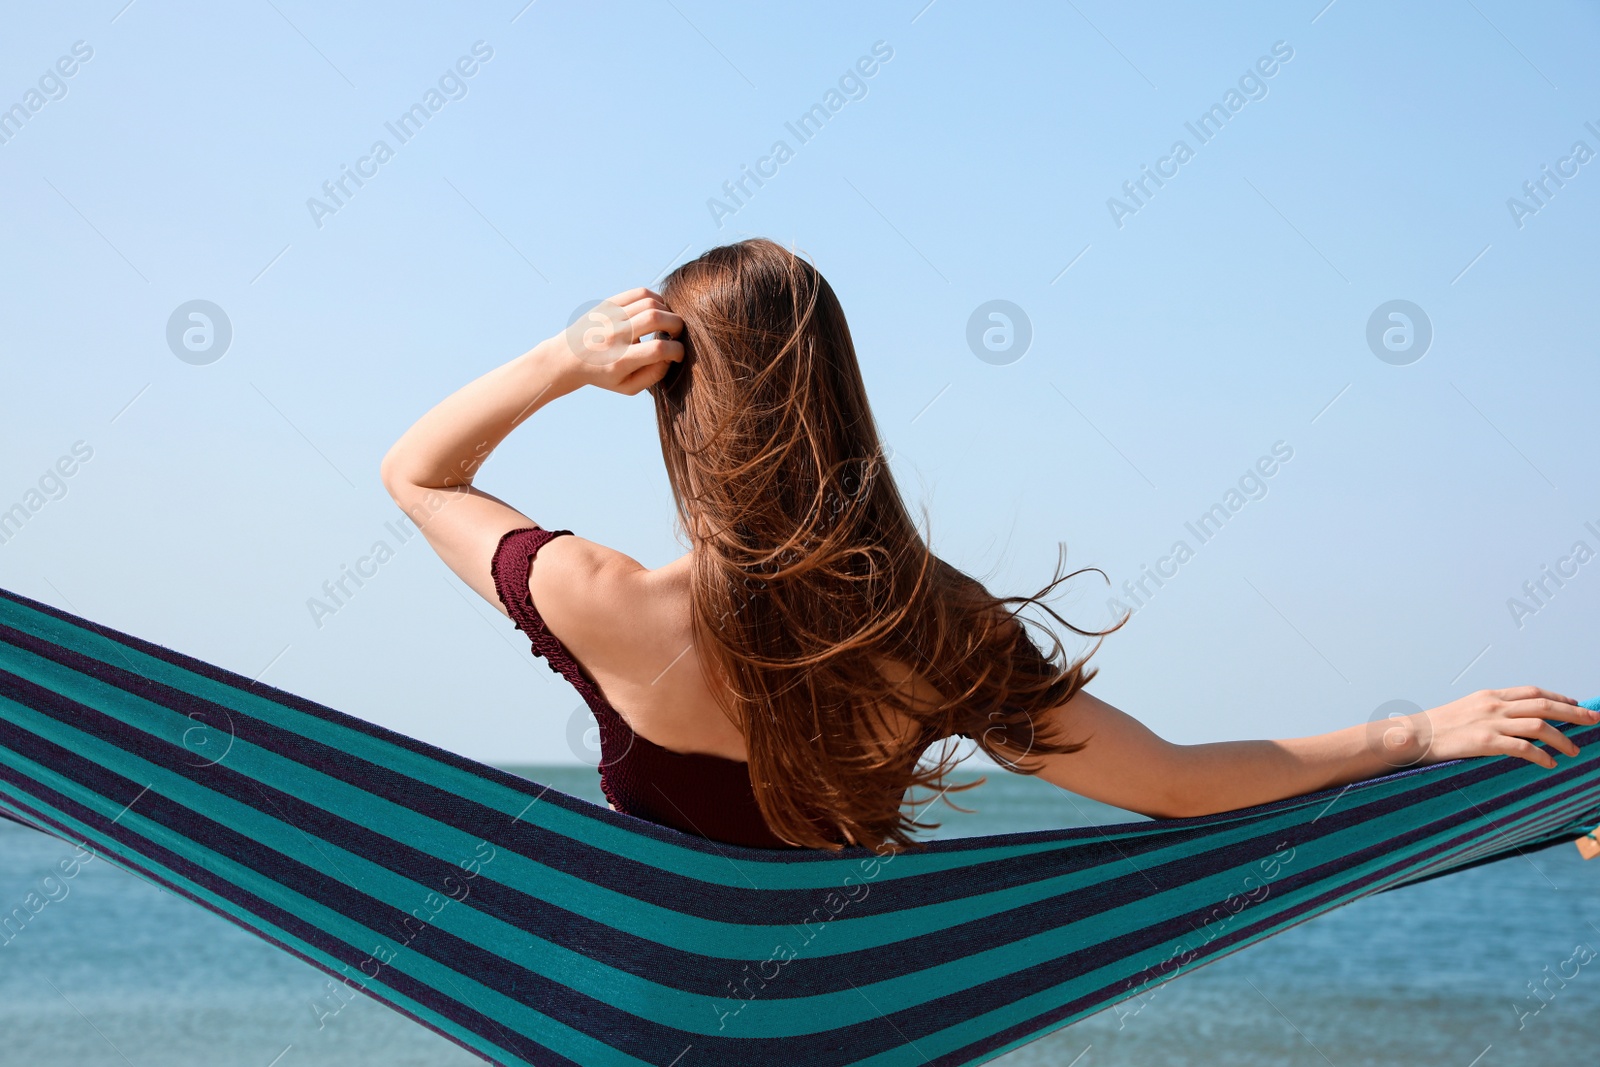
x: 1127, y: 765
x: 429, y: 471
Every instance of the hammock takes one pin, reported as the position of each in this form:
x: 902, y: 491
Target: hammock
x: 534, y: 928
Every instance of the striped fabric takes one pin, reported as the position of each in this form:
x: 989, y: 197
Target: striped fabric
x: 534, y: 928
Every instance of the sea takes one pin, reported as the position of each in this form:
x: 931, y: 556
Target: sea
x: 120, y: 973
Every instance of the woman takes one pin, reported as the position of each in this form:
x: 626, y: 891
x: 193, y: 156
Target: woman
x: 781, y: 683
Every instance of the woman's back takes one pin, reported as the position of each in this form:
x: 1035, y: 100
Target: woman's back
x: 622, y: 634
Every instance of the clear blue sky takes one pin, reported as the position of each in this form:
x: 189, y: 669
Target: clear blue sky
x: 1227, y: 313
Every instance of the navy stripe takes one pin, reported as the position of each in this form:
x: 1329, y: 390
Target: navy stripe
x: 137, y: 845
x: 523, y: 910
x: 582, y: 1013
x: 688, y: 971
x: 1380, y: 817
x: 1227, y: 943
x: 928, y: 1018
x: 615, y: 1026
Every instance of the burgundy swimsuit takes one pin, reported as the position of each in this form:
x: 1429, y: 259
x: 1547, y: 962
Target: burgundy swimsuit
x: 699, y: 794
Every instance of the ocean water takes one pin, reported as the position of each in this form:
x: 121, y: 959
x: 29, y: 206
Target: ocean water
x: 118, y: 972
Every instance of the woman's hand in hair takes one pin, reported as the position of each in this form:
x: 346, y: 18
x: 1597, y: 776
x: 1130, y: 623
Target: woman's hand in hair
x: 625, y: 344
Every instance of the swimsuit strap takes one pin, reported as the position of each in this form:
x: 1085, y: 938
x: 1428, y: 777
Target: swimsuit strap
x: 511, y: 564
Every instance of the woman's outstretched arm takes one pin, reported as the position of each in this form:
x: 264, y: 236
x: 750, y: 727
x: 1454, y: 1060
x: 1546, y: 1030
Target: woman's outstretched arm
x: 1127, y: 765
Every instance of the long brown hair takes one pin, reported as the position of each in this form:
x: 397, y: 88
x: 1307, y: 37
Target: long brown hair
x: 811, y: 586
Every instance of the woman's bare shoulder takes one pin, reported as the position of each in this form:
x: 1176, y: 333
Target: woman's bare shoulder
x: 606, y: 607
x: 630, y: 628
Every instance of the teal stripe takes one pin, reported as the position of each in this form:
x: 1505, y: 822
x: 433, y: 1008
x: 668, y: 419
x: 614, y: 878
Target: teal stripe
x: 773, y: 1017
x: 507, y: 1012
x: 1481, y: 810
x: 824, y: 874
x: 668, y: 1006
x: 575, y: 971
x: 615, y: 910
x: 968, y: 1031
x: 80, y: 833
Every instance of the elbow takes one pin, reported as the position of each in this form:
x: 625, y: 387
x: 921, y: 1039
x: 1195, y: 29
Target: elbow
x: 1165, y: 807
x: 1172, y: 790
x: 395, y: 483
x: 400, y: 488
x: 1179, y: 802
x: 1176, y: 807
x: 1188, y: 805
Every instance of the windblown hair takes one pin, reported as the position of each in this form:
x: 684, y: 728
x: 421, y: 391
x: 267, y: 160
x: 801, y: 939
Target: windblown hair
x: 839, y: 644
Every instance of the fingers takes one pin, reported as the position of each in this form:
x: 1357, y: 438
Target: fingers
x: 634, y: 295
x: 643, y: 378
x: 635, y: 301
x: 655, y: 350
x: 641, y: 365
x: 1550, y: 708
x: 646, y: 313
x: 1523, y: 721
x: 1523, y: 749
x: 654, y: 319
x: 1539, y: 730
x: 1529, y: 692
